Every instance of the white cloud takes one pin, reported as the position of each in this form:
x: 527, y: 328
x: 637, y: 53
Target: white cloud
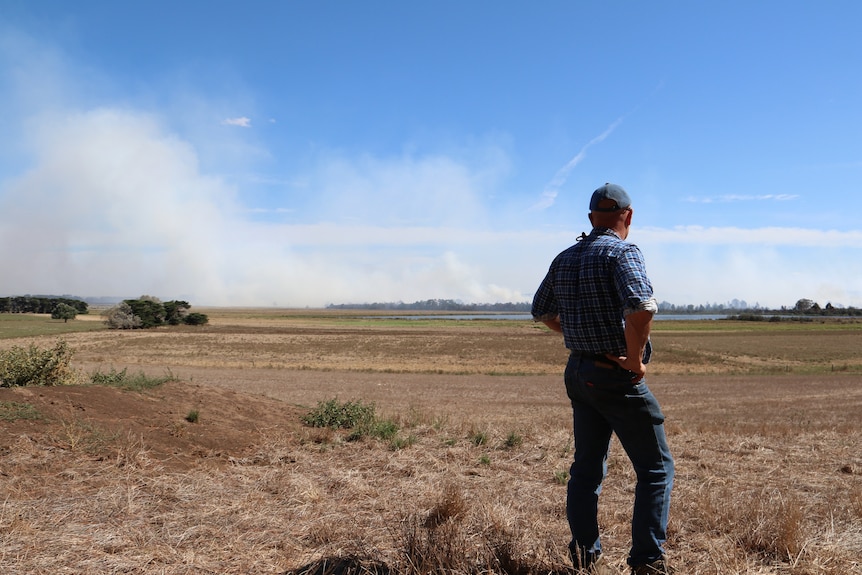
x: 241, y: 122
x: 732, y: 236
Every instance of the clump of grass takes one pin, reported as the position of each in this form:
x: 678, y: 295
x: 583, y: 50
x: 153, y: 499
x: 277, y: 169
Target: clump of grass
x: 360, y: 419
x: 193, y: 416
x: 561, y: 477
x: 442, y: 542
x: 12, y: 411
x: 85, y: 436
x: 768, y: 524
x: 400, y: 442
x: 479, y: 438
x: 513, y: 440
x: 124, y: 380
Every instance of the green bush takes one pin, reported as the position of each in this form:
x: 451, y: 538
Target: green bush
x: 195, y: 318
x: 359, y: 418
x: 337, y: 415
x: 33, y: 365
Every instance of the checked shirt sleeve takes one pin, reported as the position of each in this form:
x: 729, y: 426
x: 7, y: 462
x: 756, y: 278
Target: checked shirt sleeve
x: 545, y: 305
x: 632, y: 284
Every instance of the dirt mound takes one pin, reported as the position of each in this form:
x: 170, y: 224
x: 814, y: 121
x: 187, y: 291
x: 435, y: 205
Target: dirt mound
x: 180, y: 424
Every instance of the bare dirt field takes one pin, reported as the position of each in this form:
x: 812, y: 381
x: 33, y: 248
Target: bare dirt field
x: 764, y: 424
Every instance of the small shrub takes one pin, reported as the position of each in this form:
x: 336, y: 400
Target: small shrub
x: 359, y: 418
x: 338, y: 415
x: 192, y: 416
x: 21, y: 366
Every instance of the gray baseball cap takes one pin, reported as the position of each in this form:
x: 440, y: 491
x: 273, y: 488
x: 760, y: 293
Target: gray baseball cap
x: 609, y: 198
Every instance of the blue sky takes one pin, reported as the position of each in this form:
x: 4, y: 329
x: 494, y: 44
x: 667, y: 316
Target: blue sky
x: 298, y: 153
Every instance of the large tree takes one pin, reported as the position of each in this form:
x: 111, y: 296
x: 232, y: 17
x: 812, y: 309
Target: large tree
x: 64, y: 311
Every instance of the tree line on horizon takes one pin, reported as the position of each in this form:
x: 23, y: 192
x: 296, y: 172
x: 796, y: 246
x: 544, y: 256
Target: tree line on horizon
x: 734, y: 307
x: 49, y: 305
x: 41, y: 304
x: 144, y: 312
x: 436, y: 305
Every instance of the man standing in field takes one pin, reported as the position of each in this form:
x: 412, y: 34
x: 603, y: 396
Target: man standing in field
x: 597, y: 294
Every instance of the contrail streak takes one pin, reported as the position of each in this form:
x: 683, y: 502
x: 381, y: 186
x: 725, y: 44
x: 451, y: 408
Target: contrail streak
x: 549, y: 195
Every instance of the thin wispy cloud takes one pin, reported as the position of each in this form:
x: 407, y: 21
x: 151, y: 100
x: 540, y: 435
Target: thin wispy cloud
x: 764, y: 236
x: 549, y: 195
x: 729, y: 198
x: 241, y: 122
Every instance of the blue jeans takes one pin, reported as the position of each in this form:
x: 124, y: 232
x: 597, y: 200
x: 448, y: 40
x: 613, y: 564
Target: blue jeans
x: 608, y: 399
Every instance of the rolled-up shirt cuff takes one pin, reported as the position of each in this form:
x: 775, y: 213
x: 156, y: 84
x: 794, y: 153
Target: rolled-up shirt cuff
x: 650, y: 305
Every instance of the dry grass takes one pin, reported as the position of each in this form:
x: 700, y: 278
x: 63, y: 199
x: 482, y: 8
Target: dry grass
x: 769, y: 467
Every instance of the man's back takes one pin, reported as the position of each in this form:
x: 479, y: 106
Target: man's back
x: 590, y: 285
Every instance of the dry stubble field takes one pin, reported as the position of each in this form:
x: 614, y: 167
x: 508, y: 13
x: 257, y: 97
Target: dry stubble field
x: 763, y: 419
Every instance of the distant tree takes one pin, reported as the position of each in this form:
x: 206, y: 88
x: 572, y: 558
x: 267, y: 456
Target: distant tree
x: 149, y: 309
x: 64, y: 311
x: 175, y: 311
x: 803, y: 305
x: 196, y: 319
x: 149, y: 312
x: 121, y: 316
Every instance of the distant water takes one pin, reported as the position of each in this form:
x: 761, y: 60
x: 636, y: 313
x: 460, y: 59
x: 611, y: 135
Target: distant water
x: 526, y: 316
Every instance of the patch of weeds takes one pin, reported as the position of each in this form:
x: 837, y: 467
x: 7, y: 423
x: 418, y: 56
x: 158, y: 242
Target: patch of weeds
x: 12, y: 411
x: 358, y: 418
x: 479, y: 438
x: 397, y: 443
x: 123, y: 380
x: 513, y: 440
x: 81, y: 435
x: 339, y: 415
x: 485, y: 459
x: 113, y: 378
x: 193, y: 416
x: 384, y: 429
x: 440, y: 422
x: 561, y: 477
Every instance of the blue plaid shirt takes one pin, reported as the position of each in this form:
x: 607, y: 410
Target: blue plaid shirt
x: 592, y: 286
